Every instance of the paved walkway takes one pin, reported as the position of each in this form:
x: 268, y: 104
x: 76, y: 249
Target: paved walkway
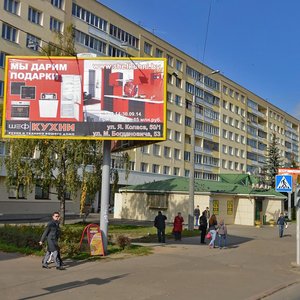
x: 257, y: 264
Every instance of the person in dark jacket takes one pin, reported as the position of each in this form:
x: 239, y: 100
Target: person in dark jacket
x: 160, y: 224
x: 203, y: 227
x: 52, y: 233
x: 281, y: 222
x: 197, y: 215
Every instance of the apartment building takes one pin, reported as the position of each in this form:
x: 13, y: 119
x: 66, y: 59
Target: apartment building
x: 224, y: 125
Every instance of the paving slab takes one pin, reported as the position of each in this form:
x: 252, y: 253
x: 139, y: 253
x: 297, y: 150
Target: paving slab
x: 257, y: 264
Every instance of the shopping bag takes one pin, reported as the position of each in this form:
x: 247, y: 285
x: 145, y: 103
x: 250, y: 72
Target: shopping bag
x: 208, y: 236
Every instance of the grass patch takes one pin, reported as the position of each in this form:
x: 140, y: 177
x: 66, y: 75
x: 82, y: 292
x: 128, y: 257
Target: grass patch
x: 24, y: 239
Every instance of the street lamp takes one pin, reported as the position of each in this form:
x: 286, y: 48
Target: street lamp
x: 192, y: 157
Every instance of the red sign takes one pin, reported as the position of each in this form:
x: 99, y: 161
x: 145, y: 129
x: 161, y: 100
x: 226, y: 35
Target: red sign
x: 94, y: 238
x: 81, y: 98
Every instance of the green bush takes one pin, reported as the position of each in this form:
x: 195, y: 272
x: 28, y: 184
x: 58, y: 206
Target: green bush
x: 123, y: 241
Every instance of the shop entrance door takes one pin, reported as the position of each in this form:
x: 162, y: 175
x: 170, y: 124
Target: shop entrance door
x: 258, y: 209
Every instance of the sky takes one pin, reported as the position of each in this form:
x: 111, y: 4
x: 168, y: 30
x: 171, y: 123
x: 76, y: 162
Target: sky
x: 255, y: 43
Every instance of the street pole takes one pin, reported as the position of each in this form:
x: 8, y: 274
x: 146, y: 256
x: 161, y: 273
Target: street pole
x: 105, y: 191
x: 192, y: 168
x: 297, y: 206
x: 298, y: 236
x: 290, y: 206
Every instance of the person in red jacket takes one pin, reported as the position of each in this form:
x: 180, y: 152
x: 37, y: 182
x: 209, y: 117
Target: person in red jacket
x: 177, y: 226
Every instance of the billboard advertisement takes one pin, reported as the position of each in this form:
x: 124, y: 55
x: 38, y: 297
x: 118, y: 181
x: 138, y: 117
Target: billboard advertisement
x: 85, y: 98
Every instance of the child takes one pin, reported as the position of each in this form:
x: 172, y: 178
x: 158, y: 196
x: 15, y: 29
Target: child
x: 222, y: 233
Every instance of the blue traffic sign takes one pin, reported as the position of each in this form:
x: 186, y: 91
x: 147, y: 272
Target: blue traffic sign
x: 284, y: 183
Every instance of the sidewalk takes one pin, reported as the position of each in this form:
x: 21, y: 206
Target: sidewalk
x: 257, y: 263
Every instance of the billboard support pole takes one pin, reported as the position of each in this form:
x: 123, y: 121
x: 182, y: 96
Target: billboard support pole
x: 105, y: 191
x: 290, y: 206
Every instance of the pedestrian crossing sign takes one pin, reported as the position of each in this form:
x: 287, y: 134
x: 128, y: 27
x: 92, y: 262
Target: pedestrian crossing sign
x: 284, y: 183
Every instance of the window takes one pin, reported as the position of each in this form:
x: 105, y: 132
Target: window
x: 99, y: 23
x: 12, y: 193
x: 158, y: 53
x: 115, y: 31
x: 167, y: 152
x: 41, y: 192
x: 177, y: 136
x: 132, y: 165
x: 157, y: 201
x: 12, y: 6
x: 178, y: 100
x: 166, y: 170
x: 2, y: 59
x: 176, y: 171
x: 252, y: 143
x: 155, y: 168
x: 1, y: 88
x: 236, y: 152
x: 33, y: 42
x: 198, y: 158
x: 229, y: 207
x: 145, y: 149
x: 177, y: 118
x: 170, y: 60
x: 188, y: 121
x: 55, y: 25
x: 147, y: 48
x: 144, y: 167
x: 58, y: 3
x: 9, y: 33
x: 210, y: 145
x: 156, y: 150
x: 224, y: 164
x: 188, y: 104
x: 215, y: 207
x: 2, y: 148
x: 90, y: 42
x: 187, y: 156
x: 177, y: 153
x: 115, y: 52
x: 170, y: 78
x: 34, y: 16
x: 169, y: 97
x: 169, y: 115
x: 178, y: 82
x: 179, y: 65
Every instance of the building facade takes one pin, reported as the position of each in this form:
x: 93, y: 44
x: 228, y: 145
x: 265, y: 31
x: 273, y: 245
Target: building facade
x: 223, y: 125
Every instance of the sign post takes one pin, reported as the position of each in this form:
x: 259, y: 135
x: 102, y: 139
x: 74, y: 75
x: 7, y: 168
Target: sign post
x: 297, y: 206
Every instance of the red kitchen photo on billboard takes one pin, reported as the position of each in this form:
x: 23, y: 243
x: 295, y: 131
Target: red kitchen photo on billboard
x: 85, y: 98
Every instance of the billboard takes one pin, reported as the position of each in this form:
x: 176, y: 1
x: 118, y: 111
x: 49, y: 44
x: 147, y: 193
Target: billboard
x: 85, y: 98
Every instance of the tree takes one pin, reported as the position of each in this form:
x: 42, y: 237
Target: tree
x: 274, y: 161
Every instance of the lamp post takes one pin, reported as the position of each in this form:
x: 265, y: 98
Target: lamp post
x: 192, y: 158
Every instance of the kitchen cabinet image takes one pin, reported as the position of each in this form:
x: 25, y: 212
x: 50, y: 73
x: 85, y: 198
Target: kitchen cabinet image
x: 70, y: 96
